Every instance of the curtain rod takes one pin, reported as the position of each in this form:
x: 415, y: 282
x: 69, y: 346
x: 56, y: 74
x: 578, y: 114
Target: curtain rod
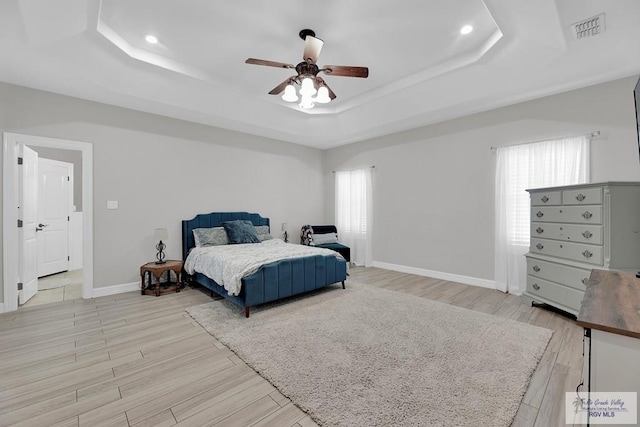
x: 594, y: 134
x: 347, y: 170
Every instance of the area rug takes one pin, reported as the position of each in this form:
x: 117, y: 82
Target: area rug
x: 366, y: 356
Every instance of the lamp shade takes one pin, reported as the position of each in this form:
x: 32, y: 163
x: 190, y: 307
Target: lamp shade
x: 323, y: 95
x: 160, y: 234
x: 306, y: 102
x: 285, y: 226
x: 290, y: 93
x: 308, y: 87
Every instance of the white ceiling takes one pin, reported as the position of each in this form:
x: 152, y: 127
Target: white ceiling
x: 421, y: 69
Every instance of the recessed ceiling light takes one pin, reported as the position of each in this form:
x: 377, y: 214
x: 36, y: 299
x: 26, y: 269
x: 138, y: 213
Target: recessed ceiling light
x: 151, y: 39
x: 466, y: 29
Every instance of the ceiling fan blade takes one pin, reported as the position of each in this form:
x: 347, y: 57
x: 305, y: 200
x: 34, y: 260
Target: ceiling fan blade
x: 312, y: 48
x: 269, y: 63
x: 346, y: 71
x: 278, y: 89
x: 321, y: 82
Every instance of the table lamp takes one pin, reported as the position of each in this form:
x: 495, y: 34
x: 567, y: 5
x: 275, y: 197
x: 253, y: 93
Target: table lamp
x: 160, y: 234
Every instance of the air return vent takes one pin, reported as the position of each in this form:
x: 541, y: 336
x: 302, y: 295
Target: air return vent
x: 588, y: 27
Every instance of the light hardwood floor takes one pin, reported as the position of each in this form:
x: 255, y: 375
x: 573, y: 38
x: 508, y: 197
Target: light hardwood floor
x: 128, y: 360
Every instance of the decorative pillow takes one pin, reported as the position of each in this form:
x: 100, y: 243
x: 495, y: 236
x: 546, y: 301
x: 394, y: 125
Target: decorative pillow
x: 306, y: 233
x: 263, y: 232
x: 210, y: 236
x: 322, y: 239
x: 241, y: 231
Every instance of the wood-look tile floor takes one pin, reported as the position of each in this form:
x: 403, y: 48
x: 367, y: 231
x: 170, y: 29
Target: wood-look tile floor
x: 57, y: 287
x: 129, y: 359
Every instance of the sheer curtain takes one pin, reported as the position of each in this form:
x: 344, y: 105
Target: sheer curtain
x: 520, y: 167
x: 354, y: 213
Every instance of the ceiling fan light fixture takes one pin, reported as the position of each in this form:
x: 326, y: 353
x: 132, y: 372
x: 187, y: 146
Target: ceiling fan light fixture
x: 290, y: 93
x: 308, y: 87
x: 323, y: 95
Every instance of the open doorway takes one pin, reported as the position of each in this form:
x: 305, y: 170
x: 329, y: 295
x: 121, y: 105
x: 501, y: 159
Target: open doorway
x: 59, y: 228
x: 17, y: 255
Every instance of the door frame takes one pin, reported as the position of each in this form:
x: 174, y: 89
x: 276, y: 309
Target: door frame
x: 10, y: 212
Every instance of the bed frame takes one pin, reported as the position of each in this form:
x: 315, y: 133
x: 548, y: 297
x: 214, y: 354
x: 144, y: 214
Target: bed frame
x: 273, y: 281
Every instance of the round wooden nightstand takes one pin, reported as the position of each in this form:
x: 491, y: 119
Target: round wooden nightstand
x: 157, y: 270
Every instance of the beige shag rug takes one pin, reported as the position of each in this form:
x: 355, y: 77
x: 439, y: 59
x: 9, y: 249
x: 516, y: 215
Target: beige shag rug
x: 371, y: 357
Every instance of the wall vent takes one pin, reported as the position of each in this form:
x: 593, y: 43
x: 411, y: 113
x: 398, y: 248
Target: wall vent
x: 588, y: 27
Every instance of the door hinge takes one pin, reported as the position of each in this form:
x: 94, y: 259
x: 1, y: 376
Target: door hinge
x: 68, y: 218
x: 19, y: 223
x: 68, y: 258
x: 19, y: 160
x: 19, y: 286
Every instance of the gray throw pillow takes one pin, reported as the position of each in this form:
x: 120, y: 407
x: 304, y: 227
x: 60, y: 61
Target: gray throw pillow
x: 263, y: 232
x: 215, y: 236
x: 323, y: 239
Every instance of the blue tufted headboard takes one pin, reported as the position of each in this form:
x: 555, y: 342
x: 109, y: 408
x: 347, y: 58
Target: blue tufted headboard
x: 213, y: 219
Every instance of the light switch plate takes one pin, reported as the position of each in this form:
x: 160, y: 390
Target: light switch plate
x: 112, y: 204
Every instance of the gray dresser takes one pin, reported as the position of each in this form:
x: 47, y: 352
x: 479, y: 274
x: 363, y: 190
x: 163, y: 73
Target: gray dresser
x: 575, y: 229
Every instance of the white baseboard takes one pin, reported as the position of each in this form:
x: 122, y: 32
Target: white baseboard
x: 116, y: 289
x: 474, y: 281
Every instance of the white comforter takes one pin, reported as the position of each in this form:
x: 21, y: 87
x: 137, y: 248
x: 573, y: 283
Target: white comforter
x: 228, y: 264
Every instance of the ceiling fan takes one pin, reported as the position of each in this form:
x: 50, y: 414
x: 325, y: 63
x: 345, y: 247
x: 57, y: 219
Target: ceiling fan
x: 307, y: 79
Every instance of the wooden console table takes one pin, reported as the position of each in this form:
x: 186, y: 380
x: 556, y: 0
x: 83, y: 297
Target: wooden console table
x: 153, y: 270
x: 610, y: 314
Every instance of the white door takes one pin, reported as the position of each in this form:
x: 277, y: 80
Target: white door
x: 28, y: 206
x: 53, y: 216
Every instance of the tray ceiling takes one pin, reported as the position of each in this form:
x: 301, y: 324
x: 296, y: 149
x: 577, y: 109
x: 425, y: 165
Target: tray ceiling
x: 422, y: 69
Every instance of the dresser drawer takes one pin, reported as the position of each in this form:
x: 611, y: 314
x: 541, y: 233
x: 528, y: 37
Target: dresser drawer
x: 590, y: 214
x: 585, y: 196
x: 570, y: 276
x: 592, y: 234
x: 568, y: 297
x: 546, y: 198
x: 591, y: 254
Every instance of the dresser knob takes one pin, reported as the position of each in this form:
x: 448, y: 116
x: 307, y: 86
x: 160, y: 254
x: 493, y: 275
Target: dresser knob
x: 539, y: 230
x: 544, y: 199
x: 539, y: 214
x: 536, y: 268
x: 536, y: 287
x: 587, y: 254
x: 587, y: 215
x: 585, y: 280
x: 581, y: 197
x: 540, y: 246
x: 587, y: 234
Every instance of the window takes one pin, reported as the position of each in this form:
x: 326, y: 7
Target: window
x: 518, y: 168
x: 353, y: 213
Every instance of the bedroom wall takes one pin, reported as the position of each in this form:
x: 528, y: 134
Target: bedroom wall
x: 162, y: 170
x: 433, y: 187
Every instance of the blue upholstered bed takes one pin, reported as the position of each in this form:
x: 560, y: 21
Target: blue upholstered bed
x: 272, y: 281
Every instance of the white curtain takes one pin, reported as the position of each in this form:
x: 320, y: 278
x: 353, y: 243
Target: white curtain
x: 354, y: 213
x: 520, y: 167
